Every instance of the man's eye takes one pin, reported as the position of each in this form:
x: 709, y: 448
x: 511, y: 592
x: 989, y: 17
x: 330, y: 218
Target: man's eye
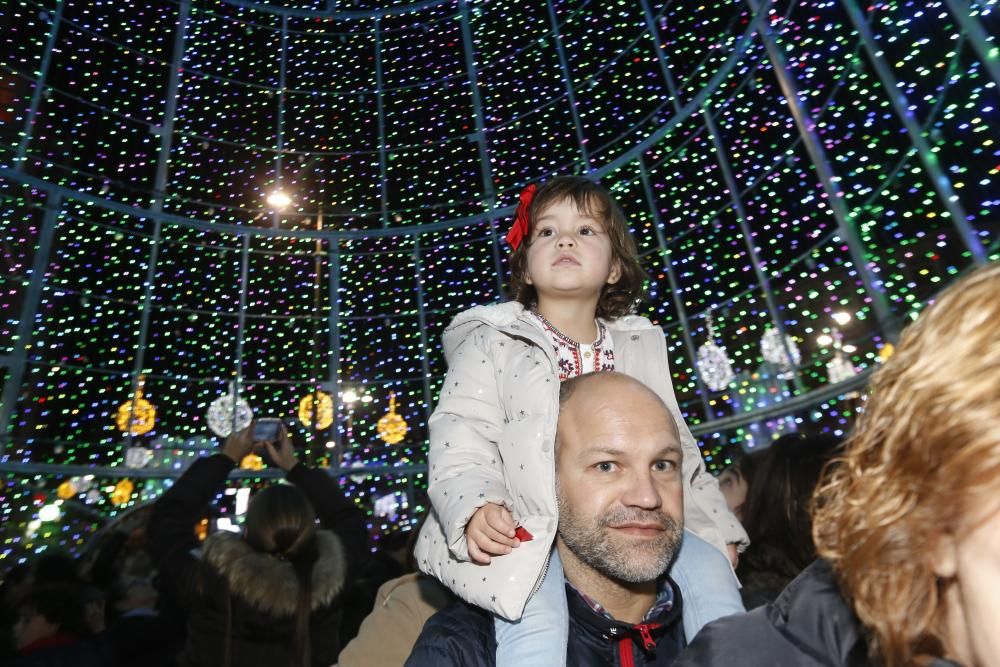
x: 606, y: 466
x: 664, y: 466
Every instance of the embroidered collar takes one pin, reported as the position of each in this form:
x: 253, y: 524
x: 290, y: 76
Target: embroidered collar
x: 576, y: 358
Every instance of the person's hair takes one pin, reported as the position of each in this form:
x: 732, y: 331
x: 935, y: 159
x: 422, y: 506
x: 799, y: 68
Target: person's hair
x: 776, y: 509
x: 60, y: 604
x: 922, y: 460
x: 281, y: 521
x: 617, y: 299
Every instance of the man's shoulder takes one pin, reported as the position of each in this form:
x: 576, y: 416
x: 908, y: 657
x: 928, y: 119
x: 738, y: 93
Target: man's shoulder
x: 459, y: 635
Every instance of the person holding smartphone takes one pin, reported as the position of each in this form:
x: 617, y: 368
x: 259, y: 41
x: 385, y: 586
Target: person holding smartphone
x: 272, y: 595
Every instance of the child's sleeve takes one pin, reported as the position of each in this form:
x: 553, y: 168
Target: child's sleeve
x: 710, y: 518
x: 707, y: 496
x: 465, y: 469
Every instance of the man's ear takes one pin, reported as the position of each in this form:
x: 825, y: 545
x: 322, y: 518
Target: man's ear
x: 944, y: 557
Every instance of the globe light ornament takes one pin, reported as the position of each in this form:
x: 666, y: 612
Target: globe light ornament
x: 122, y: 492
x: 392, y: 427
x: 136, y: 416
x: 228, y: 412
x: 138, y: 457
x: 776, y: 354
x: 323, y: 409
x: 713, y: 363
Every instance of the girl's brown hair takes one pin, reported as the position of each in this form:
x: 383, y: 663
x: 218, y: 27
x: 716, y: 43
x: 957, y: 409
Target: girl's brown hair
x: 617, y: 299
x: 924, y: 456
x: 281, y: 521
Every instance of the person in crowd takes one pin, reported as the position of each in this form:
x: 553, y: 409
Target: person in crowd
x: 272, y: 595
x: 907, y: 521
x: 51, y: 629
x: 402, y: 606
x: 575, y: 281
x: 776, y: 514
x: 137, y: 633
x: 389, y: 561
x: 734, y: 482
x: 619, y: 486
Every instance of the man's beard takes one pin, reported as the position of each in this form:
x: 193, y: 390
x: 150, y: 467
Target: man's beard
x: 617, y: 556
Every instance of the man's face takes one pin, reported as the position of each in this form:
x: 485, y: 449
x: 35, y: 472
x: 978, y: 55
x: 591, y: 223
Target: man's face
x: 618, y: 481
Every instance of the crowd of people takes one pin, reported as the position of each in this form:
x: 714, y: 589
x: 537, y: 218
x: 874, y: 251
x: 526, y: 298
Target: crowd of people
x: 573, y: 521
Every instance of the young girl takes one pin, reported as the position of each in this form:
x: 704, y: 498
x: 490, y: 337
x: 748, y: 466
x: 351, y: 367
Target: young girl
x: 575, y: 278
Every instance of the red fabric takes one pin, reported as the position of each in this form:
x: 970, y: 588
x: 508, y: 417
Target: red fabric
x: 60, y: 639
x: 522, y: 534
x: 521, y: 217
x: 625, y: 658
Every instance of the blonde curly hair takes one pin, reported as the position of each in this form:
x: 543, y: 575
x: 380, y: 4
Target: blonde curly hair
x: 923, y: 457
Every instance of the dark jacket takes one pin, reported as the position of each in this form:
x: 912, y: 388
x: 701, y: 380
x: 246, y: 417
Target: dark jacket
x: 59, y: 651
x: 463, y: 636
x: 808, y: 625
x: 261, y: 589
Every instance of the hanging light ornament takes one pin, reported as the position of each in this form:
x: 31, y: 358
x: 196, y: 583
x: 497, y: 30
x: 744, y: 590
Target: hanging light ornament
x: 252, y: 462
x: 714, y: 366
x: 136, y: 416
x: 775, y: 353
x: 228, y: 412
x: 138, y: 457
x: 66, y: 490
x: 839, y: 368
x: 392, y: 427
x: 123, y: 492
x: 323, y: 409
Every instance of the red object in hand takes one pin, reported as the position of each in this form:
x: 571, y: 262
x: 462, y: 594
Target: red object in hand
x: 522, y: 534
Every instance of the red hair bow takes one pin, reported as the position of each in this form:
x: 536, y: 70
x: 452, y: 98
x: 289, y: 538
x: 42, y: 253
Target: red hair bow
x: 521, y: 218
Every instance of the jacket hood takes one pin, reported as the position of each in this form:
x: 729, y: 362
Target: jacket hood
x: 267, y: 583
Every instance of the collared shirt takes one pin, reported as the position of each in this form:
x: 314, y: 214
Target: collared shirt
x: 664, y: 601
x: 579, y: 358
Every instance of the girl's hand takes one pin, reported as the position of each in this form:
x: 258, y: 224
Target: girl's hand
x: 490, y: 532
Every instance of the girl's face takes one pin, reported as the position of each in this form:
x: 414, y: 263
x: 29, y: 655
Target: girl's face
x: 570, y: 256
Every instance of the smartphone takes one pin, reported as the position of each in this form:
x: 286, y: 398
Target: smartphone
x: 266, y: 430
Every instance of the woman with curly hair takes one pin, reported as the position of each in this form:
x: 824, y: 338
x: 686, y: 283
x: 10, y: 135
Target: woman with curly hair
x: 907, y: 522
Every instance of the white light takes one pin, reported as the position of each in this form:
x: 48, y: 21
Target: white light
x: 841, y: 318
x: 49, y: 513
x: 331, y: 444
x: 367, y: 399
x: 278, y: 200
x: 242, y: 500
x: 226, y: 524
x: 349, y: 396
x: 825, y: 340
x: 850, y: 349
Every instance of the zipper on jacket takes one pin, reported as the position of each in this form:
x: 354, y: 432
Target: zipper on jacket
x: 538, y: 582
x: 647, y: 638
x: 625, y: 657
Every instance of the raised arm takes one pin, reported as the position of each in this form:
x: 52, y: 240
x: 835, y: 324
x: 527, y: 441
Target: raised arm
x: 334, y: 510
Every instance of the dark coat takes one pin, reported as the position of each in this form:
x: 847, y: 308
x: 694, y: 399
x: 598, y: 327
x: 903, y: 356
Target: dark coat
x: 463, y: 636
x: 808, y: 625
x: 260, y: 588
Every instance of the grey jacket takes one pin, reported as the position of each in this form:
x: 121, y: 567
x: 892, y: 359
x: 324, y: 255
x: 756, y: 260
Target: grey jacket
x: 491, y: 441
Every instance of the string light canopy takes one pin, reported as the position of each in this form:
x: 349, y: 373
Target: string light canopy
x: 135, y: 194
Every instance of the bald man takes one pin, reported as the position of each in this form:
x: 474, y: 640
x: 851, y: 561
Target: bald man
x: 621, y: 513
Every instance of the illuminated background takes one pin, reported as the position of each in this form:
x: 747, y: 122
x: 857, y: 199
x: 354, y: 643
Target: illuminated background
x: 780, y: 164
